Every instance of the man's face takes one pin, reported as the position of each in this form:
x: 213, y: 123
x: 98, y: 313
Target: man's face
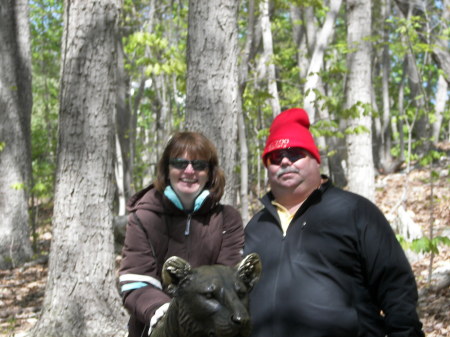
x: 292, y: 170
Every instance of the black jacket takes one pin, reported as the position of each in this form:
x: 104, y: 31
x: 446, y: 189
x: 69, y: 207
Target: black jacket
x: 339, y: 271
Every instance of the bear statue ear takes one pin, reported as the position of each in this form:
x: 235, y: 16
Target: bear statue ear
x: 249, y: 270
x: 174, y: 270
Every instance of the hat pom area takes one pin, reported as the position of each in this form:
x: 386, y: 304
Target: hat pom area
x: 291, y: 129
x: 294, y: 115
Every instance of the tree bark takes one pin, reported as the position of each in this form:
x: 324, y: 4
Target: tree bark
x: 247, y: 53
x: 442, y: 56
x: 439, y: 107
x: 124, y: 134
x: 384, y: 160
x: 15, y: 146
x: 304, y: 33
x: 441, y: 53
x: 299, y: 38
x: 81, y: 298
x: 268, y: 58
x: 361, y: 175
x: 213, y: 101
x: 316, y: 64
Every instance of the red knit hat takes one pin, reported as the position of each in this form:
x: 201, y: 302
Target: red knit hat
x: 291, y: 129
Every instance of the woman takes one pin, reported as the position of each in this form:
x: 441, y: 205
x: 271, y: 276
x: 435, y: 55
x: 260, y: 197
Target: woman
x: 178, y: 215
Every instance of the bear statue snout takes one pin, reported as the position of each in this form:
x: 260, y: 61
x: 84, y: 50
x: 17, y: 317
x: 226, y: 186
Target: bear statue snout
x: 240, y: 318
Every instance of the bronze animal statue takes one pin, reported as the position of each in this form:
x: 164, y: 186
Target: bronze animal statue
x: 208, y: 301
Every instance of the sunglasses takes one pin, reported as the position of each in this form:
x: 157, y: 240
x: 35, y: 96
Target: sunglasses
x: 181, y: 164
x: 291, y: 153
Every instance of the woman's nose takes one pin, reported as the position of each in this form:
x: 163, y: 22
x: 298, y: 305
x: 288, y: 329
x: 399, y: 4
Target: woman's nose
x: 189, y: 168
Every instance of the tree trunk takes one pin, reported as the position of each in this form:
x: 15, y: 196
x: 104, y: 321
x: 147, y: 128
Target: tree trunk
x: 439, y: 108
x: 401, y: 112
x: 124, y: 134
x: 442, y: 56
x: 333, y: 148
x: 164, y: 116
x: 384, y: 160
x: 316, y: 64
x: 441, y: 53
x: 15, y: 148
x: 250, y: 47
x: 81, y: 298
x: 300, y: 39
x: 268, y: 58
x: 212, y: 100
x: 361, y: 176
x: 247, y: 53
x: 418, y: 96
x: 243, y: 152
x: 421, y: 129
x: 384, y: 145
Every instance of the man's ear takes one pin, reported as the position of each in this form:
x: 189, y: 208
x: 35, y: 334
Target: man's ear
x: 174, y: 270
x: 249, y: 270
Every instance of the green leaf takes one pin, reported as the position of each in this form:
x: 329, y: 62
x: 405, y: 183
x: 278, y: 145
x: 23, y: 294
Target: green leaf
x: 421, y: 245
x: 18, y: 186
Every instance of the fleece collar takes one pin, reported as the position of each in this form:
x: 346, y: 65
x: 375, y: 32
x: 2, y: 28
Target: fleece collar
x: 173, y: 197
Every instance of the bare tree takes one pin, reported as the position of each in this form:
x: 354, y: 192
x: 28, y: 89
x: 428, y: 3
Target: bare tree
x: 213, y: 101
x: 435, y: 37
x: 361, y: 175
x: 304, y: 34
x: 441, y: 53
x: 442, y: 56
x: 385, y: 162
x: 299, y: 37
x: 15, y: 148
x: 441, y: 101
x: 81, y: 298
x: 316, y: 63
x: 268, y: 57
x: 124, y: 134
x: 246, y: 54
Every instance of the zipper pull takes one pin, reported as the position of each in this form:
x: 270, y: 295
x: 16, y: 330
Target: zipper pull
x: 188, y: 225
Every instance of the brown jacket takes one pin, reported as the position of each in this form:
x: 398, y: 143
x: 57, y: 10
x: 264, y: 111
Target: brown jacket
x: 157, y: 230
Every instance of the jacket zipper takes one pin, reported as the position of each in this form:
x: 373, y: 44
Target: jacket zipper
x: 281, y: 252
x: 187, y: 231
x: 275, y: 293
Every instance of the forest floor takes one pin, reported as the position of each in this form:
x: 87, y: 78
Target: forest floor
x: 22, y: 289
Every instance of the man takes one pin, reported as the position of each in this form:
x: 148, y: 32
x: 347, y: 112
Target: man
x: 331, y: 265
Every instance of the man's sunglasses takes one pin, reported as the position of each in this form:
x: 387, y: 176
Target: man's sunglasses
x: 291, y: 153
x: 181, y: 164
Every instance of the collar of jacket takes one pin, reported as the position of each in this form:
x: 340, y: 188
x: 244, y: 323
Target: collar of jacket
x: 313, y: 198
x: 173, y: 197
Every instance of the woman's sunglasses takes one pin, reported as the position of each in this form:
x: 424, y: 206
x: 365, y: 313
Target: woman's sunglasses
x: 291, y: 153
x: 181, y: 164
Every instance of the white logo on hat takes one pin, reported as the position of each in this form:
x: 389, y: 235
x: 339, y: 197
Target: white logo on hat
x: 278, y: 144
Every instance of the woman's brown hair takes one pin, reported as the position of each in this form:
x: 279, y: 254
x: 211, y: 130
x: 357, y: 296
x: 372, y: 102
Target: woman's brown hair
x: 197, y: 146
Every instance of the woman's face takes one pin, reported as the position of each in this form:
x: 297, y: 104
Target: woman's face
x: 188, y: 179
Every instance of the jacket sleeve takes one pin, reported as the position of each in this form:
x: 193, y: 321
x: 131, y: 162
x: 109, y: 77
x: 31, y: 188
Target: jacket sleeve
x: 139, y: 277
x: 389, y: 276
x: 233, y: 237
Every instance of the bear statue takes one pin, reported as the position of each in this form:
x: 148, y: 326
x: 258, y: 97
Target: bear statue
x: 207, y: 301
